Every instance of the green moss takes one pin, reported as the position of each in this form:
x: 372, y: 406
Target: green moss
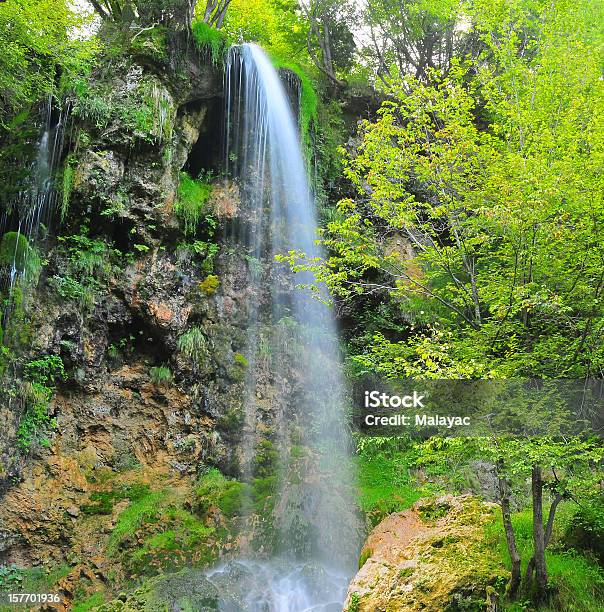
x: 178, y: 539
x: 365, y: 554
x: 103, y: 501
x: 216, y: 490
x: 263, y: 491
x: 265, y: 460
x: 88, y: 604
x: 232, y: 420
x: 191, y: 203
x: 145, y: 509
x: 431, y: 512
x: 241, y: 360
x: 16, y: 251
x: 214, y: 43
x: 210, y: 284
x: 151, y: 43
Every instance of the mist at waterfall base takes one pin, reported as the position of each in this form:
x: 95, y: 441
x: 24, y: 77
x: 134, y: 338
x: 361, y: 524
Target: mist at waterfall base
x: 308, y: 558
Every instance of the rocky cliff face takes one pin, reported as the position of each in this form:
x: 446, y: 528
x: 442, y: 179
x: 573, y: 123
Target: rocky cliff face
x: 147, y: 320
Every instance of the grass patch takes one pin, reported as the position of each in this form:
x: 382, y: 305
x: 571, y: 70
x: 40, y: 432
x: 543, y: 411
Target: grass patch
x: 190, y: 205
x: 145, y: 509
x: 210, y: 41
x: 161, y: 376
x: 88, y: 604
x: 579, y: 581
x: 385, y: 483
x: 102, y: 502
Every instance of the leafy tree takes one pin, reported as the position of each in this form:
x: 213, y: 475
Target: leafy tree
x: 461, y: 218
x: 330, y: 41
x: 275, y: 24
x: 40, y: 47
x: 412, y: 36
x: 215, y: 12
x: 563, y: 468
x: 145, y: 13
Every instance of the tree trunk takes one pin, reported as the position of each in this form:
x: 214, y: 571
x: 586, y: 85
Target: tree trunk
x: 530, y: 568
x: 539, y: 533
x: 215, y: 12
x: 510, y: 538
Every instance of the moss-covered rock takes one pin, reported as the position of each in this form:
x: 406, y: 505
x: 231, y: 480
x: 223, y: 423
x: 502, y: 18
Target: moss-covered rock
x: 433, y: 557
x: 185, y: 590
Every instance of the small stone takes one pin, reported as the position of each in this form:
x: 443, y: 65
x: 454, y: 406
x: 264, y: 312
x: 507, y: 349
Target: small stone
x: 73, y: 511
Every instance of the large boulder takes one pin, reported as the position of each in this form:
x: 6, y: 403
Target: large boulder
x: 433, y: 557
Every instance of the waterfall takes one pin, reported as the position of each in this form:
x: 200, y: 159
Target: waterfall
x: 24, y: 225
x: 302, y: 552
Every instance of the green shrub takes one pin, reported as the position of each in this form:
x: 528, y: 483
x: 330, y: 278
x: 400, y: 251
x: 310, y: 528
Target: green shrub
x: 190, y: 204
x: 85, y: 263
x: 586, y: 529
x: 36, y: 393
x: 71, y: 289
x: 46, y: 370
x: 11, y: 577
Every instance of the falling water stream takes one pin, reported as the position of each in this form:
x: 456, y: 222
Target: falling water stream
x: 294, y: 390
x: 25, y: 224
